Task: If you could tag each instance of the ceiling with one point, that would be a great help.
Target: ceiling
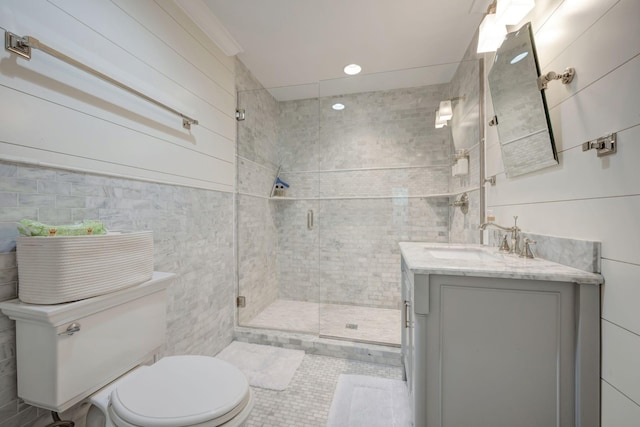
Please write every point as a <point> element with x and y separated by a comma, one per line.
<point>298,48</point>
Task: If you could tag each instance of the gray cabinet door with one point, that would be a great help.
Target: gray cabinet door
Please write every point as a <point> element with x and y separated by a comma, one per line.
<point>499,353</point>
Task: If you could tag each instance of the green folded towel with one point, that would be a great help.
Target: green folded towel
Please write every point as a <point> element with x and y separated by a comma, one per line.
<point>34,228</point>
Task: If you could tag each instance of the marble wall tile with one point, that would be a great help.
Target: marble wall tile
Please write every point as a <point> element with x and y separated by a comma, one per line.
<point>358,243</point>
<point>22,185</point>
<point>254,178</point>
<point>299,143</point>
<point>418,181</point>
<point>351,256</point>
<point>257,137</point>
<point>385,182</point>
<point>298,251</point>
<point>257,254</point>
<point>8,200</point>
<point>387,128</point>
<point>580,254</point>
<point>8,170</point>
<point>464,228</point>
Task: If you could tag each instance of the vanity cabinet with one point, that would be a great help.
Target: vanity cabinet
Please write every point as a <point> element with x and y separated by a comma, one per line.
<point>500,351</point>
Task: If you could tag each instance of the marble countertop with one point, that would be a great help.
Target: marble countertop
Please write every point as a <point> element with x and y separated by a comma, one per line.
<point>484,261</point>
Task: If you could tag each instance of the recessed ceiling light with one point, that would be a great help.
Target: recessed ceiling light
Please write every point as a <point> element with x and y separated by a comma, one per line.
<point>352,69</point>
<point>337,106</point>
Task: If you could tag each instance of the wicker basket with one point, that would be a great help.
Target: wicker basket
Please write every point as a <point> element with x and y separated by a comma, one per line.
<point>53,270</point>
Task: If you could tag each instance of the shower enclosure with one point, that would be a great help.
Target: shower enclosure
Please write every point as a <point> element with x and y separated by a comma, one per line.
<point>320,255</point>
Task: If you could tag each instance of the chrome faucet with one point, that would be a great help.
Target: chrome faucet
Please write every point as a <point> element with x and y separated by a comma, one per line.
<point>515,233</point>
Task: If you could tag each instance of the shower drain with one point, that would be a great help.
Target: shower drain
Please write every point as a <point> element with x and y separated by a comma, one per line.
<point>351,326</point>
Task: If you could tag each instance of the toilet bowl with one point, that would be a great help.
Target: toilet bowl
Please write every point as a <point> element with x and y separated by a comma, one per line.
<point>177,391</point>
<point>94,351</point>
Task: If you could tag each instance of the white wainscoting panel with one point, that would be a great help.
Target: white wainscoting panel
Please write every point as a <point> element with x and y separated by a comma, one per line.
<point>617,409</point>
<point>620,352</point>
<point>61,116</point>
<point>621,294</point>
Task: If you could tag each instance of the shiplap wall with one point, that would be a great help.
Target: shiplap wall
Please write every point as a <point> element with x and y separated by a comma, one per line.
<point>55,114</point>
<point>587,197</point>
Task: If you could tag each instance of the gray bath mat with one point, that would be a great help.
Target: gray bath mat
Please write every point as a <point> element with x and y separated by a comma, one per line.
<point>265,366</point>
<point>362,401</point>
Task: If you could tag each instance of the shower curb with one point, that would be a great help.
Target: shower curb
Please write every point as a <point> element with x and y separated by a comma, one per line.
<point>313,344</point>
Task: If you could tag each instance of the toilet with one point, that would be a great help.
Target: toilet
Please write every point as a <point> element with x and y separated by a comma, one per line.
<point>94,351</point>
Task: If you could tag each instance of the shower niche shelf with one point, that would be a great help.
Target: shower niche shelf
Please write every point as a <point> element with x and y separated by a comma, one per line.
<point>419,196</point>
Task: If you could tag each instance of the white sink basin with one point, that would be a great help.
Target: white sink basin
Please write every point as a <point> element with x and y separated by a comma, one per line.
<point>470,254</point>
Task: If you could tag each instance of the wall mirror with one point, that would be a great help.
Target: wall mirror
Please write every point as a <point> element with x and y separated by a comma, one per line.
<point>522,117</point>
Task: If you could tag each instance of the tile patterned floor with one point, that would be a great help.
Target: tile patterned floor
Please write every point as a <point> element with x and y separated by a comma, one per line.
<point>307,400</point>
<point>373,324</point>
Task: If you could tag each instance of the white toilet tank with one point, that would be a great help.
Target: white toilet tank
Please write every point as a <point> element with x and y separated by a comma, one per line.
<point>58,367</point>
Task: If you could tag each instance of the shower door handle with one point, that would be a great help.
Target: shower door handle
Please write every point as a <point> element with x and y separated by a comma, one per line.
<point>310,219</point>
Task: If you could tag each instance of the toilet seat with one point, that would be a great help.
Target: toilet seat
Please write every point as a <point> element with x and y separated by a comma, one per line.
<point>180,391</point>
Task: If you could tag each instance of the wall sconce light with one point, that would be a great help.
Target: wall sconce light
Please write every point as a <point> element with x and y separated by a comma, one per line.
<point>444,113</point>
<point>500,13</point>
<point>445,110</point>
<point>491,33</point>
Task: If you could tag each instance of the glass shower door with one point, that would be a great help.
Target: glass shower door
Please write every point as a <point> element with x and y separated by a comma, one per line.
<point>256,231</point>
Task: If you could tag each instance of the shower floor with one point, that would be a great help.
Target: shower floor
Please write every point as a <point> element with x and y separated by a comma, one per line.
<point>377,325</point>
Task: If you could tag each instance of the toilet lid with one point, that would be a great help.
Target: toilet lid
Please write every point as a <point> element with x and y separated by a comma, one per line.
<point>181,391</point>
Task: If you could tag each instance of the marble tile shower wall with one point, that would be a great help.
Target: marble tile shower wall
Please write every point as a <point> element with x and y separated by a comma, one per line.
<point>258,133</point>
<point>358,242</point>
<point>257,273</point>
<point>193,238</point>
<point>298,251</point>
<point>299,133</point>
<point>386,128</point>
<point>257,235</point>
<point>382,145</point>
<point>255,179</point>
